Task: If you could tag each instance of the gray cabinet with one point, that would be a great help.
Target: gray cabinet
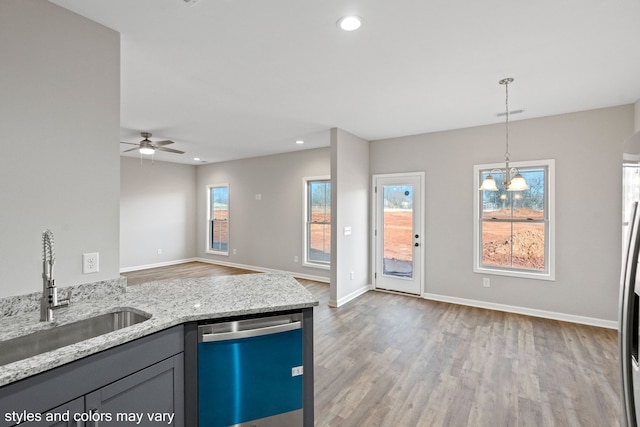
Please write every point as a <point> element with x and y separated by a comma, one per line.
<point>151,397</point>
<point>61,416</point>
<point>142,376</point>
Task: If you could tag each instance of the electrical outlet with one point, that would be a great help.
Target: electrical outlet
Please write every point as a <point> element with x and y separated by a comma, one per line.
<point>351,276</point>
<point>295,258</point>
<point>486,282</point>
<point>90,263</point>
<point>159,251</point>
<point>235,251</point>
<point>297,370</point>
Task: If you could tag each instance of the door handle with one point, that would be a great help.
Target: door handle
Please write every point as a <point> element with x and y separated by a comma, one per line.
<point>223,336</point>
<point>416,244</point>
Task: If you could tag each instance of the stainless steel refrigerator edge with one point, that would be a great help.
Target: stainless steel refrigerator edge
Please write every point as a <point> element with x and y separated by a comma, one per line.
<point>628,311</point>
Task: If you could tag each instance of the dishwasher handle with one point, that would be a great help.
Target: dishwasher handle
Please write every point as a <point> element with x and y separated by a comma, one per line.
<point>249,333</point>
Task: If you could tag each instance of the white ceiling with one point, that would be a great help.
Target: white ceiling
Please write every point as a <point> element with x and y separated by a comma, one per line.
<point>229,79</point>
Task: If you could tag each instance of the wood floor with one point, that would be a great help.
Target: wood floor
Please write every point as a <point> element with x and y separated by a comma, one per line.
<point>392,360</point>
<point>186,270</point>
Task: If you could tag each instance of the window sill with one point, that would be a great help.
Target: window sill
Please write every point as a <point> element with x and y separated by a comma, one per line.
<point>519,274</point>
<point>209,251</point>
<point>319,266</point>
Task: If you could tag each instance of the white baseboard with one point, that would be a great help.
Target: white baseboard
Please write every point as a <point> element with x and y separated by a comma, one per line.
<point>160,264</point>
<point>353,295</point>
<point>591,321</point>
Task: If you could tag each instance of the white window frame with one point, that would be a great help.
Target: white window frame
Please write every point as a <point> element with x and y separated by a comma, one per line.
<point>209,249</point>
<point>550,222</point>
<point>305,225</point>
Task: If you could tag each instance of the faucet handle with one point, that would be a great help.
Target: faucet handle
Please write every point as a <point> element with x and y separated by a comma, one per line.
<point>66,300</point>
<point>57,302</point>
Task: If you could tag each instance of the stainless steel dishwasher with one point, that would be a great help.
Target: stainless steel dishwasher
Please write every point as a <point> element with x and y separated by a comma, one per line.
<point>250,372</point>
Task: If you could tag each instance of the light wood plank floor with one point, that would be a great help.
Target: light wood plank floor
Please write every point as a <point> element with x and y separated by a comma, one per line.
<point>186,270</point>
<point>392,360</point>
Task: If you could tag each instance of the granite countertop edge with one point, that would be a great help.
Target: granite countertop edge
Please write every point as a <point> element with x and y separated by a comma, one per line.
<point>169,303</point>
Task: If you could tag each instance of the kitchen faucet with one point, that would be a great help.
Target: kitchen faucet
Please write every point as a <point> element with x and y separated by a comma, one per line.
<point>49,300</point>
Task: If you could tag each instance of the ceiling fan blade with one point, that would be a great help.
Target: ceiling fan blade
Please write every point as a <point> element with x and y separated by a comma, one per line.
<point>160,143</point>
<point>131,149</point>
<point>130,143</point>
<point>169,150</point>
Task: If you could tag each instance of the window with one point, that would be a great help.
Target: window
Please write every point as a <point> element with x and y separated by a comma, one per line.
<point>317,221</point>
<point>218,221</point>
<point>514,230</point>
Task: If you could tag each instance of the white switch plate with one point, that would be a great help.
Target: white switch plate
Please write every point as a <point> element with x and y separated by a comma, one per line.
<point>347,231</point>
<point>90,263</point>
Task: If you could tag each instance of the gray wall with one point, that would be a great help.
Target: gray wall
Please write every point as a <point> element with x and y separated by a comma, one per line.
<point>157,211</point>
<point>265,233</point>
<point>587,147</point>
<point>59,167</point>
<point>350,201</point>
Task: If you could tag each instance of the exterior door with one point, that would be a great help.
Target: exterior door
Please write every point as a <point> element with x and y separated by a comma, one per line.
<point>398,224</point>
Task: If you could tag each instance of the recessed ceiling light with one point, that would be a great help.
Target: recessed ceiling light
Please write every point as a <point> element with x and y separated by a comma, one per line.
<point>197,159</point>
<point>349,23</point>
<point>299,142</point>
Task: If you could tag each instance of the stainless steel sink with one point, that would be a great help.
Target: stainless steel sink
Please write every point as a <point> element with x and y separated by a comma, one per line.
<point>59,336</point>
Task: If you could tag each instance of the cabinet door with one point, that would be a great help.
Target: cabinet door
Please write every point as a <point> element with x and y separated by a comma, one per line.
<point>151,397</point>
<point>62,416</point>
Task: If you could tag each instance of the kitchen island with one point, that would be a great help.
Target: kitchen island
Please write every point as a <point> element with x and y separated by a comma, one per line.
<point>174,307</point>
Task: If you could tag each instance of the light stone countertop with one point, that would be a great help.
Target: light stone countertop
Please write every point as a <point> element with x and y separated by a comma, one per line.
<point>169,303</point>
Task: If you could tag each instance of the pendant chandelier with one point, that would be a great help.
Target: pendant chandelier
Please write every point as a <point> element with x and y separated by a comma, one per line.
<point>513,181</point>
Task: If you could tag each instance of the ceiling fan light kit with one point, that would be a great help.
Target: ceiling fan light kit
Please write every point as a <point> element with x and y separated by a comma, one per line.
<point>148,147</point>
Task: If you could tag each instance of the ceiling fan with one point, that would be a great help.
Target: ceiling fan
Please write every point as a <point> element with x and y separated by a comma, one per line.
<point>148,147</point>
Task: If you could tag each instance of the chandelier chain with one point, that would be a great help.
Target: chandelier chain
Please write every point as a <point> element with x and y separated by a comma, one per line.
<point>506,103</point>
